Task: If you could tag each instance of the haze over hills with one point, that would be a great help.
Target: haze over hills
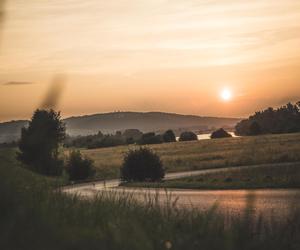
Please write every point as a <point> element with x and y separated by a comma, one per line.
<point>119,121</point>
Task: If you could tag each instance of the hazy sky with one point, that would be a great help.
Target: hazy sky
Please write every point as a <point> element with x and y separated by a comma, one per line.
<point>150,55</point>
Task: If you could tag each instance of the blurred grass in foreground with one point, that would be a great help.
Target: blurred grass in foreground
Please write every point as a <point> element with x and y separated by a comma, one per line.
<point>34,216</point>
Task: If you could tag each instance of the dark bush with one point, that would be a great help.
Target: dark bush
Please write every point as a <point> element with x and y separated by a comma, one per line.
<point>142,165</point>
<point>220,133</point>
<point>169,136</point>
<point>188,136</point>
<point>150,138</point>
<point>79,168</point>
<point>132,135</point>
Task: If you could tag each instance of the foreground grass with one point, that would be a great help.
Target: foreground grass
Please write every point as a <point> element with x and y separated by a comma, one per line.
<point>182,156</point>
<point>34,214</point>
<point>277,176</point>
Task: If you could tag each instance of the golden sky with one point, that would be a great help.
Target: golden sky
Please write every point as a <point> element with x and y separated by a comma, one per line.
<point>150,55</point>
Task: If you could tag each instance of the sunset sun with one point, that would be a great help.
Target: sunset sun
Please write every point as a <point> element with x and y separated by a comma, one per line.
<point>226,95</point>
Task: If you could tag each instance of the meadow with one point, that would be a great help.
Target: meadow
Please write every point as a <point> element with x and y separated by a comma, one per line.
<point>34,214</point>
<point>204,154</point>
<point>263,176</point>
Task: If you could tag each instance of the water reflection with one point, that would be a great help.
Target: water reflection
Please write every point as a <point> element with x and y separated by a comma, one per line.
<point>207,136</point>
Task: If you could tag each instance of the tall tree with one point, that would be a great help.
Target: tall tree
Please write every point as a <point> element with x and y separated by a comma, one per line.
<point>40,142</point>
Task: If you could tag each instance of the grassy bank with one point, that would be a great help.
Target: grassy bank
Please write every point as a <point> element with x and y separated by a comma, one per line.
<point>282,176</point>
<point>34,216</point>
<point>181,156</point>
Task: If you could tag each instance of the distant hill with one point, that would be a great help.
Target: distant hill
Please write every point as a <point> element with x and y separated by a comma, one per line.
<point>112,122</point>
<point>10,131</point>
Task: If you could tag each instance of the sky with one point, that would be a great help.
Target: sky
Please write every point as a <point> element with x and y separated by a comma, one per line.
<point>174,56</point>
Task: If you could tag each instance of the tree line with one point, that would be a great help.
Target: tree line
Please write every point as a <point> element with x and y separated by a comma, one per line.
<point>129,136</point>
<point>285,119</point>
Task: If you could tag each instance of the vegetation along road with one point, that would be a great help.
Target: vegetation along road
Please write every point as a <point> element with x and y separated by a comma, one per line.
<point>269,202</point>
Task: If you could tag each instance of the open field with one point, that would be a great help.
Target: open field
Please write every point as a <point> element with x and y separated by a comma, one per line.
<point>33,216</point>
<point>274,176</point>
<point>182,156</point>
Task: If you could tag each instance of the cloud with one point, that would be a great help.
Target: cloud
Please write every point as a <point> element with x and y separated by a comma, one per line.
<point>13,83</point>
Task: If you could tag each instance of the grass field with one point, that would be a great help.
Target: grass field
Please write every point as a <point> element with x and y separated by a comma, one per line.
<point>281,176</point>
<point>181,156</point>
<point>34,214</point>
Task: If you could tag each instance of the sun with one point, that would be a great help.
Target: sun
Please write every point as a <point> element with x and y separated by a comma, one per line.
<point>226,95</point>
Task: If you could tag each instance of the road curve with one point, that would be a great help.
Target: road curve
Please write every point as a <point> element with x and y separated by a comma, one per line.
<point>275,203</point>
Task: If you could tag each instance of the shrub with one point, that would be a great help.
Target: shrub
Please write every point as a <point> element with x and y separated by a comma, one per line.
<point>150,138</point>
<point>142,165</point>
<point>188,136</point>
<point>132,135</point>
<point>79,168</point>
<point>220,133</point>
<point>169,136</point>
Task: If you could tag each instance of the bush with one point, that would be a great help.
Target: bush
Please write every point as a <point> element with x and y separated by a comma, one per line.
<point>79,168</point>
<point>150,138</point>
<point>169,136</point>
<point>142,165</point>
<point>220,133</point>
<point>188,136</point>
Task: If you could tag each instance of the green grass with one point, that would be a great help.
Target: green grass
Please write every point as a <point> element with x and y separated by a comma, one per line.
<point>282,176</point>
<point>34,214</point>
<point>181,156</point>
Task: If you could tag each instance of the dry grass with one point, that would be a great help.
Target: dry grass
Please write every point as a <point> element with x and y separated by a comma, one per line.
<point>181,156</point>
<point>285,175</point>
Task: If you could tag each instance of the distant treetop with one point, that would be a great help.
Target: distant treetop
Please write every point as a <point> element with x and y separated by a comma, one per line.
<point>285,119</point>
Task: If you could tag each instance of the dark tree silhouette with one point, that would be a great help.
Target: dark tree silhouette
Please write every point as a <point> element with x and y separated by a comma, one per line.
<point>254,128</point>
<point>40,141</point>
<point>285,119</point>
<point>142,165</point>
<point>150,138</point>
<point>169,136</point>
<point>79,168</point>
<point>188,136</point>
<point>220,133</point>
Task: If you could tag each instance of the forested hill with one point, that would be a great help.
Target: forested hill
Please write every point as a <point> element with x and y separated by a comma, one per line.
<point>112,122</point>
<point>151,121</point>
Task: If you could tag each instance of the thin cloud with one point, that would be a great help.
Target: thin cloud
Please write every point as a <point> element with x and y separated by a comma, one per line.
<point>13,83</point>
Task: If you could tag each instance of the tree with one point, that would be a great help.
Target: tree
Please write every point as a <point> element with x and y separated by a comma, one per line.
<point>79,168</point>
<point>169,136</point>
<point>132,135</point>
<point>188,136</point>
<point>150,138</point>
<point>285,119</point>
<point>220,133</point>
<point>142,165</point>
<point>40,142</point>
<point>254,128</point>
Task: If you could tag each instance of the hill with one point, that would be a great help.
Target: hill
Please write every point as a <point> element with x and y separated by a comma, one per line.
<point>10,131</point>
<point>112,122</point>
